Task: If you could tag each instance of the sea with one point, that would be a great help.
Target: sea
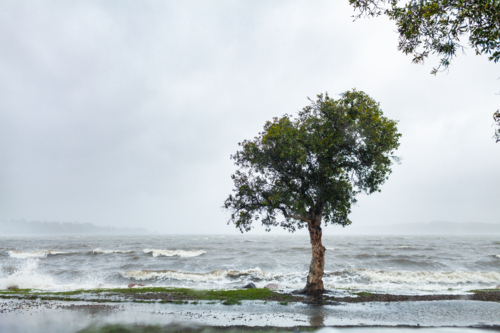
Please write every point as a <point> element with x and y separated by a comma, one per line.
<point>390,264</point>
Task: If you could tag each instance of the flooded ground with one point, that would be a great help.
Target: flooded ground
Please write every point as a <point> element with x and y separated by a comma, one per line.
<point>55,316</point>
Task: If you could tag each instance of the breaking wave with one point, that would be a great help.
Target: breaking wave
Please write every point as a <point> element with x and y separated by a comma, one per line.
<point>496,256</point>
<point>27,277</point>
<point>33,254</point>
<point>170,253</point>
<point>255,273</point>
<point>99,251</point>
<point>363,279</point>
<point>414,278</point>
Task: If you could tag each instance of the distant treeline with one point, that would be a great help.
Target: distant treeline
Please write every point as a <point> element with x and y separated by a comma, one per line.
<point>23,227</point>
<point>431,228</point>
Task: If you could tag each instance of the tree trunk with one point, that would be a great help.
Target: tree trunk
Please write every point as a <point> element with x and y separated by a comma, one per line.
<point>314,284</point>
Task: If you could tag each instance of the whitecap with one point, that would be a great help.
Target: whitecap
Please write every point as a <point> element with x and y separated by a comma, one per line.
<point>27,277</point>
<point>172,253</point>
<point>215,275</point>
<point>424,278</point>
<point>99,251</point>
<point>496,256</point>
<point>33,254</point>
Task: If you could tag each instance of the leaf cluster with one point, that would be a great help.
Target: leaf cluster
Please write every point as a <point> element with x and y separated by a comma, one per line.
<point>437,26</point>
<point>314,164</point>
<point>496,118</point>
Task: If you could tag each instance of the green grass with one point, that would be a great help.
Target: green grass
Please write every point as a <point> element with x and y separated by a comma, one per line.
<point>364,294</point>
<point>478,291</point>
<point>15,291</point>
<point>228,297</point>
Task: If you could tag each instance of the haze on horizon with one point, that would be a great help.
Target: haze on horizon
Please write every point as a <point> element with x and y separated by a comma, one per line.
<point>125,113</point>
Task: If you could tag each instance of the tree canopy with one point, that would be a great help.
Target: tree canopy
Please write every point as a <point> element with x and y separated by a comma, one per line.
<point>309,168</point>
<point>438,26</point>
<point>317,161</point>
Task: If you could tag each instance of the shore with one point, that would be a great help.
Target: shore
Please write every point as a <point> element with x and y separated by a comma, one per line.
<point>232,297</point>
<point>163,309</point>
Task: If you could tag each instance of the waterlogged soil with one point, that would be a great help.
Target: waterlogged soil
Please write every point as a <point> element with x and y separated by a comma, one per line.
<point>486,296</point>
<point>232,297</point>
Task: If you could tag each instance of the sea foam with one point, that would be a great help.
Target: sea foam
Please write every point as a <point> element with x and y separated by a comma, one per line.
<point>416,278</point>
<point>215,275</point>
<point>99,251</point>
<point>172,253</point>
<point>27,277</point>
<point>33,254</point>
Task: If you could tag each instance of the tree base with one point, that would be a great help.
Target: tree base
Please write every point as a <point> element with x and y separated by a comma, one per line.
<point>310,292</point>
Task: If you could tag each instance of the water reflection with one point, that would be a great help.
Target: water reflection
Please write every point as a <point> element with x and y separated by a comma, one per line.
<point>317,316</point>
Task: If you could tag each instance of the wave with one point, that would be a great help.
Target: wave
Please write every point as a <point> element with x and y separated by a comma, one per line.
<point>33,254</point>
<point>496,256</point>
<point>99,251</point>
<point>416,278</point>
<point>170,253</point>
<point>405,247</point>
<point>27,277</point>
<point>215,275</point>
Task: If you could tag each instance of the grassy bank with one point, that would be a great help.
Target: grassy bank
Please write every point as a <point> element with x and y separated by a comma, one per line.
<point>230,297</point>
<point>173,295</point>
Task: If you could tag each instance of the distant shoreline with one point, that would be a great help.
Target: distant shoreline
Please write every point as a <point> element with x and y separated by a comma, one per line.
<point>35,228</point>
<point>437,228</point>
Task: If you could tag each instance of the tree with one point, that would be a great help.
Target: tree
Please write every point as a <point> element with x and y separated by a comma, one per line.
<point>437,26</point>
<point>305,171</point>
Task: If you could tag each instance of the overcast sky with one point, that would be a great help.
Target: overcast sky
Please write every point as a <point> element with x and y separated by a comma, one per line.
<point>125,113</point>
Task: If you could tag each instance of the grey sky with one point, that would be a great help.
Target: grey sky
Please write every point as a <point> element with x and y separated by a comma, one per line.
<point>124,113</point>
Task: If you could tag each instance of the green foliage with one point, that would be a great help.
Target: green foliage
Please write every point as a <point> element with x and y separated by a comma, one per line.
<point>437,26</point>
<point>496,118</point>
<point>313,164</point>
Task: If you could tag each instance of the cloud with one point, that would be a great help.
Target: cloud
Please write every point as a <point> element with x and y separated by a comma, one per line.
<point>126,114</point>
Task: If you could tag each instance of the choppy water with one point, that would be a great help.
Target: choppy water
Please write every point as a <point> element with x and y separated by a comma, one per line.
<point>381,264</point>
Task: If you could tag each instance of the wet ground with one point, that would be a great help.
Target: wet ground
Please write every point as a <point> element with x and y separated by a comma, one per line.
<point>72,316</point>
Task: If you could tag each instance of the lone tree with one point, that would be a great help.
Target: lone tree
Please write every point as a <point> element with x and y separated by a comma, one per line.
<point>309,169</point>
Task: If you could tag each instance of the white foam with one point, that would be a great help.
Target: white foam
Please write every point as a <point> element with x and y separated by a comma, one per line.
<point>99,251</point>
<point>33,254</point>
<point>27,277</point>
<point>172,253</point>
<point>216,275</point>
<point>431,277</point>
<point>333,248</point>
<point>496,256</point>
<point>405,247</point>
